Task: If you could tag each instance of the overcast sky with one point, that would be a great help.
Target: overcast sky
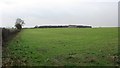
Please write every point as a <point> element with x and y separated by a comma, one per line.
<point>59,12</point>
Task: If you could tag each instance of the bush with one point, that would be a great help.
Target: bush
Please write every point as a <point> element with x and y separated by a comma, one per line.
<point>7,34</point>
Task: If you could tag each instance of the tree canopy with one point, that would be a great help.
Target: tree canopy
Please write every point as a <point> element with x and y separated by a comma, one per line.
<point>19,23</point>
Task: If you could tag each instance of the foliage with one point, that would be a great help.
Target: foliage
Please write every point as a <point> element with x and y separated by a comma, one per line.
<point>19,23</point>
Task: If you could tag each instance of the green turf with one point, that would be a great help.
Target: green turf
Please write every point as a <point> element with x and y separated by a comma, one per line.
<point>63,47</point>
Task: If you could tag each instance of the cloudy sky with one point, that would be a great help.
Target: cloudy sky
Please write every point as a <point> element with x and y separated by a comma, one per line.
<point>99,13</point>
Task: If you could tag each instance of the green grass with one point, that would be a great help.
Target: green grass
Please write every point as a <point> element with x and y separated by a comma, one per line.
<point>63,47</point>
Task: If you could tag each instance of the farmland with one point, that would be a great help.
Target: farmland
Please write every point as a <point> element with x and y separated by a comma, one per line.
<point>63,47</point>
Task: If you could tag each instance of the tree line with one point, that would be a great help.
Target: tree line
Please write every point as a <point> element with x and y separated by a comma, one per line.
<point>66,26</point>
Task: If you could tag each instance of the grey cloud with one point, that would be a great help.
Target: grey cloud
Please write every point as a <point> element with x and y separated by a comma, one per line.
<point>95,14</point>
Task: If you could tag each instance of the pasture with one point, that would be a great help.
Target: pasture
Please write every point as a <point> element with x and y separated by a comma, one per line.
<point>63,47</point>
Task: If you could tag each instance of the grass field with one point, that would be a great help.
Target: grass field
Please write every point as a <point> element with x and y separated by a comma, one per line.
<point>63,47</point>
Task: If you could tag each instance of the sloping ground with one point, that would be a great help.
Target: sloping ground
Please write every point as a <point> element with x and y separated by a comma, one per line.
<point>63,47</point>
